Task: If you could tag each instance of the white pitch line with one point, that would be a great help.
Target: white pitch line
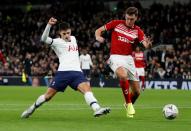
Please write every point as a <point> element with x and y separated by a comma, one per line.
<point>78,105</point>
<point>69,109</point>
<point>61,107</point>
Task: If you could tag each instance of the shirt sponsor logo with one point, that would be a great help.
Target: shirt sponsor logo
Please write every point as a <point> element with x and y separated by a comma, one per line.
<point>72,48</point>
<point>123,39</point>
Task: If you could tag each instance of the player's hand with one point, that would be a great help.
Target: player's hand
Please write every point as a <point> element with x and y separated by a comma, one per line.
<point>52,21</point>
<point>148,42</point>
<point>100,39</point>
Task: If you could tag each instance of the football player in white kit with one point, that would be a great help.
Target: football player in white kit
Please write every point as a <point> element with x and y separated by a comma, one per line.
<point>86,63</point>
<point>69,72</point>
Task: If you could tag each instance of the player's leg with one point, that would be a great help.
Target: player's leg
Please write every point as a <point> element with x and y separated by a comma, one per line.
<point>85,72</point>
<point>91,100</point>
<point>142,79</point>
<point>141,74</point>
<point>88,74</point>
<point>121,73</point>
<point>59,83</point>
<point>80,83</point>
<point>133,81</point>
<point>135,86</point>
<point>40,100</point>
<point>117,64</point>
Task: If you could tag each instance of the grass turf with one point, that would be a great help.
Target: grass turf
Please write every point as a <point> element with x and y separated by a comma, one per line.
<point>69,112</point>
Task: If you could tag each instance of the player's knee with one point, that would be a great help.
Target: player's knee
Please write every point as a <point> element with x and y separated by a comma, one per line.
<point>122,77</point>
<point>121,73</point>
<point>84,87</point>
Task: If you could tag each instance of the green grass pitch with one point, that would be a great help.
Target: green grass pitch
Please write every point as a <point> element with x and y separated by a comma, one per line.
<point>69,112</point>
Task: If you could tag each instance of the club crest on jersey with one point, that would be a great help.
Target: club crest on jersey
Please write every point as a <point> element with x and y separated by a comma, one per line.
<point>72,48</point>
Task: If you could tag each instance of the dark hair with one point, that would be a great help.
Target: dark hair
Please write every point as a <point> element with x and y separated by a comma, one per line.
<point>64,26</point>
<point>132,11</point>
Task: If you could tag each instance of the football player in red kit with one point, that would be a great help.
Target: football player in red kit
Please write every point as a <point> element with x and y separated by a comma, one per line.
<point>124,35</point>
<point>140,65</point>
<point>2,58</point>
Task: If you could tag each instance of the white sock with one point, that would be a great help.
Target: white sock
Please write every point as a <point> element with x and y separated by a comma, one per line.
<point>91,100</point>
<point>41,99</point>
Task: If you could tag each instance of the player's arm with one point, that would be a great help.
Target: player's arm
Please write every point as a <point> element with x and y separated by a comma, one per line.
<point>98,34</point>
<point>144,41</point>
<point>108,26</point>
<point>44,37</point>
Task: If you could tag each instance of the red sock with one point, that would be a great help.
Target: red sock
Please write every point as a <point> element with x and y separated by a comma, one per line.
<point>142,78</point>
<point>125,88</point>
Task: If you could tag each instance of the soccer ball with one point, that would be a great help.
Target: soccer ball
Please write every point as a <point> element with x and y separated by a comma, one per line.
<point>170,111</point>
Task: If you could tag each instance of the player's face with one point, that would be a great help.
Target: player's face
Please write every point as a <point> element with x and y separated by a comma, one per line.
<point>65,34</point>
<point>85,52</point>
<point>137,49</point>
<point>130,20</point>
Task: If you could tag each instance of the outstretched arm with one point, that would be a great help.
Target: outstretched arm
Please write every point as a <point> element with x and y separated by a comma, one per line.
<point>45,34</point>
<point>98,33</point>
<point>147,42</point>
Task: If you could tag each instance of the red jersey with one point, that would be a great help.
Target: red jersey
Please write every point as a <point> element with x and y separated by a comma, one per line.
<point>123,37</point>
<point>139,59</point>
<point>2,58</point>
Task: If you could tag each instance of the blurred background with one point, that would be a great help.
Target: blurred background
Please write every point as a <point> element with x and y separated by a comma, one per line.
<point>24,60</point>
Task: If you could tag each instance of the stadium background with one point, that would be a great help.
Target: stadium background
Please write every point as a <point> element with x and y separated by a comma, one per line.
<point>168,65</point>
<point>22,23</point>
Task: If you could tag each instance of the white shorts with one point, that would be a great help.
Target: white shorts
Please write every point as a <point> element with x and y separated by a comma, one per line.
<point>126,61</point>
<point>140,71</point>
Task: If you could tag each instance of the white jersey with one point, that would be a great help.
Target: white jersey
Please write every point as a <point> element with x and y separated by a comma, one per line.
<point>67,52</point>
<point>85,61</point>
